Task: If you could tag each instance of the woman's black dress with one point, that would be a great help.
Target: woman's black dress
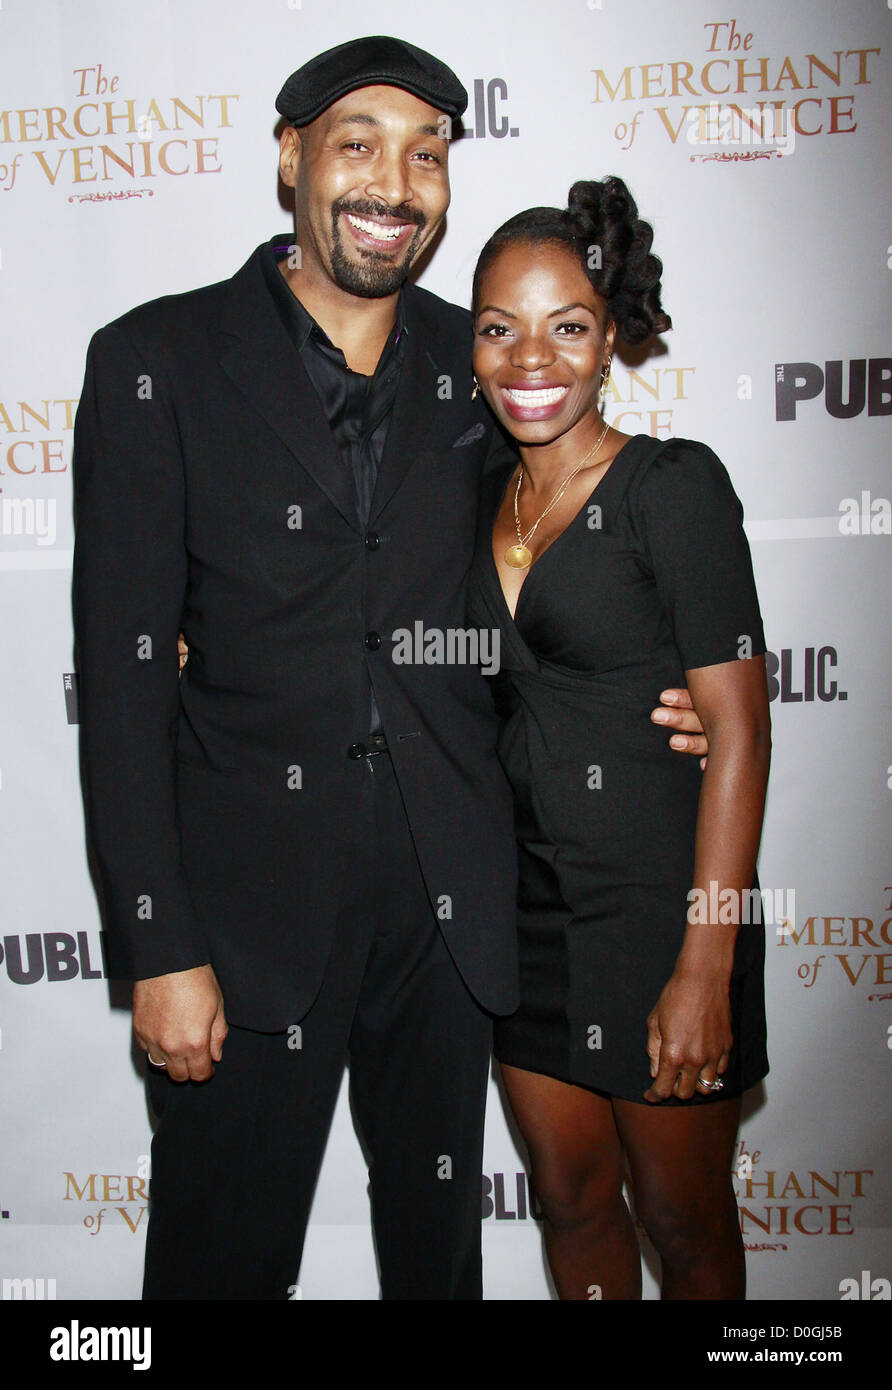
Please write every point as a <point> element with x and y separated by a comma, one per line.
<point>652,577</point>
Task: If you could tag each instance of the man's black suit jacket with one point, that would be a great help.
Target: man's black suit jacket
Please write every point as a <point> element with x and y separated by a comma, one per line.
<point>210,497</point>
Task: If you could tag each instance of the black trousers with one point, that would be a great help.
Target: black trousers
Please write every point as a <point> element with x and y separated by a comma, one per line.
<point>235,1159</point>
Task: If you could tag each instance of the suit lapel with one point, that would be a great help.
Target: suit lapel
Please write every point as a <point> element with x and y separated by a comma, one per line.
<point>260,359</point>
<point>414,409</point>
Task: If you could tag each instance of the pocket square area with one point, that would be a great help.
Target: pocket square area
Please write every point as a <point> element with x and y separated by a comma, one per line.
<point>469,436</point>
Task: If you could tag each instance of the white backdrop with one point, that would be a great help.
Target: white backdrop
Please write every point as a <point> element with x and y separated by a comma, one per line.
<point>776,254</point>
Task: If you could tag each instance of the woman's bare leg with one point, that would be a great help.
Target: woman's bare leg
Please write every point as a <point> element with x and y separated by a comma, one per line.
<point>681,1158</point>
<point>577,1174</point>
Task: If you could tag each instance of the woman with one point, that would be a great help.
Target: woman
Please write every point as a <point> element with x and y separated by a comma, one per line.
<point>612,567</point>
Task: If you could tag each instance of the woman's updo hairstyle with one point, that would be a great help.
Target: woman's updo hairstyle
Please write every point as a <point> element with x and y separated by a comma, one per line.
<point>601,225</point>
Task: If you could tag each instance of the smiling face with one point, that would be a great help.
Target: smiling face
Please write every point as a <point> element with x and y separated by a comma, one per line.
<point>541,338</point>
<point>371,187</point>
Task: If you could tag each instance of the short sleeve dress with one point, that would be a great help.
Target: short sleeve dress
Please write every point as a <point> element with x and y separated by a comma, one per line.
<point>652,577</point>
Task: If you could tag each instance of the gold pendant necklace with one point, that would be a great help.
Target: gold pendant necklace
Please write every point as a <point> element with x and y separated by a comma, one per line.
<point>519,556</point>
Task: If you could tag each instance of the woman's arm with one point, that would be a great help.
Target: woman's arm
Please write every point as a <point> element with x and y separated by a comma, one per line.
<point>690,1026</point>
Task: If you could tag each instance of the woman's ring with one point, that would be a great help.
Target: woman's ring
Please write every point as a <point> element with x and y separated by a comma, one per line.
<point>717,1085</point>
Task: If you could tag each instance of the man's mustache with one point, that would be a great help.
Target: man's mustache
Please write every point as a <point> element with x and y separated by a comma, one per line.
<point>363,207</point>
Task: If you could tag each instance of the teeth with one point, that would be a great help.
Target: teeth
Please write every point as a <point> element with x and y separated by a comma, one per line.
<point>548,396</point>
<point>375,229</point>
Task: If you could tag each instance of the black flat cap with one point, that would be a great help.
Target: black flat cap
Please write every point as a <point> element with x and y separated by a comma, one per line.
<point>366,63</point>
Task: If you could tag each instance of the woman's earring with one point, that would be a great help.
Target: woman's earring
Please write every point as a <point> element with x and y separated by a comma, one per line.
<point>605,377</point>
<point>475,390</point>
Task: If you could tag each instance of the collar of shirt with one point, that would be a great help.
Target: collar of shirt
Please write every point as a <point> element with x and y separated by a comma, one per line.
<point>302,328</point>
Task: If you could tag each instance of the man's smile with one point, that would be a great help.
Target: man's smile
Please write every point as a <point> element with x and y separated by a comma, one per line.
<point>379,231</point>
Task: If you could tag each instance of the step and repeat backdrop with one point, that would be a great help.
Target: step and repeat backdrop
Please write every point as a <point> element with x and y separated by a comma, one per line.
<point>138,157</point>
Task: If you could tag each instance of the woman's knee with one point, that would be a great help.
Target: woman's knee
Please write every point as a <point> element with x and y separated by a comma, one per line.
<point>577,1189</point>
<point>685,1227</point>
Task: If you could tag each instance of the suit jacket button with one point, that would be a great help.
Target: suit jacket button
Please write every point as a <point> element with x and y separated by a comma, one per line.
<point>372,540</point>
<point>373,641</point>
<point>356,750</point>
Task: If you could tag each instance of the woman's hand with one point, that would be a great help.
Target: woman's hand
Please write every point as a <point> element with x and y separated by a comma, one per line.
<point>689,1035</point>
<point>183,650</point>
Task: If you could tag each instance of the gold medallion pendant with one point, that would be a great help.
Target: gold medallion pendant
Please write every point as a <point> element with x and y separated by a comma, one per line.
<point>519,556</point>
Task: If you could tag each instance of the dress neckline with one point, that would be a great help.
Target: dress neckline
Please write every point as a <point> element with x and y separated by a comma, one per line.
<point>571,524</point>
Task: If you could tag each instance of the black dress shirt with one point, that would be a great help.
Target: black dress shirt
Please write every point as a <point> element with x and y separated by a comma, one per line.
<point>358,408</point>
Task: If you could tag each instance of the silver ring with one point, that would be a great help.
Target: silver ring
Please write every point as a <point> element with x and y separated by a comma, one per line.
<point>717,1085</point>
<point>153,1062</point>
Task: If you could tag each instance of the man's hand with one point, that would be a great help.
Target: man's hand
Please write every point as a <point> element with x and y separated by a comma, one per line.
<point>178,1019</point>
<point>682,716</point>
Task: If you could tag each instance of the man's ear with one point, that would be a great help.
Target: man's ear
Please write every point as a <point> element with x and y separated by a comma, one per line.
<point>290,152</point>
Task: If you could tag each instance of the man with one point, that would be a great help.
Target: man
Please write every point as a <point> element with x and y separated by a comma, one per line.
<point>305,845</point>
